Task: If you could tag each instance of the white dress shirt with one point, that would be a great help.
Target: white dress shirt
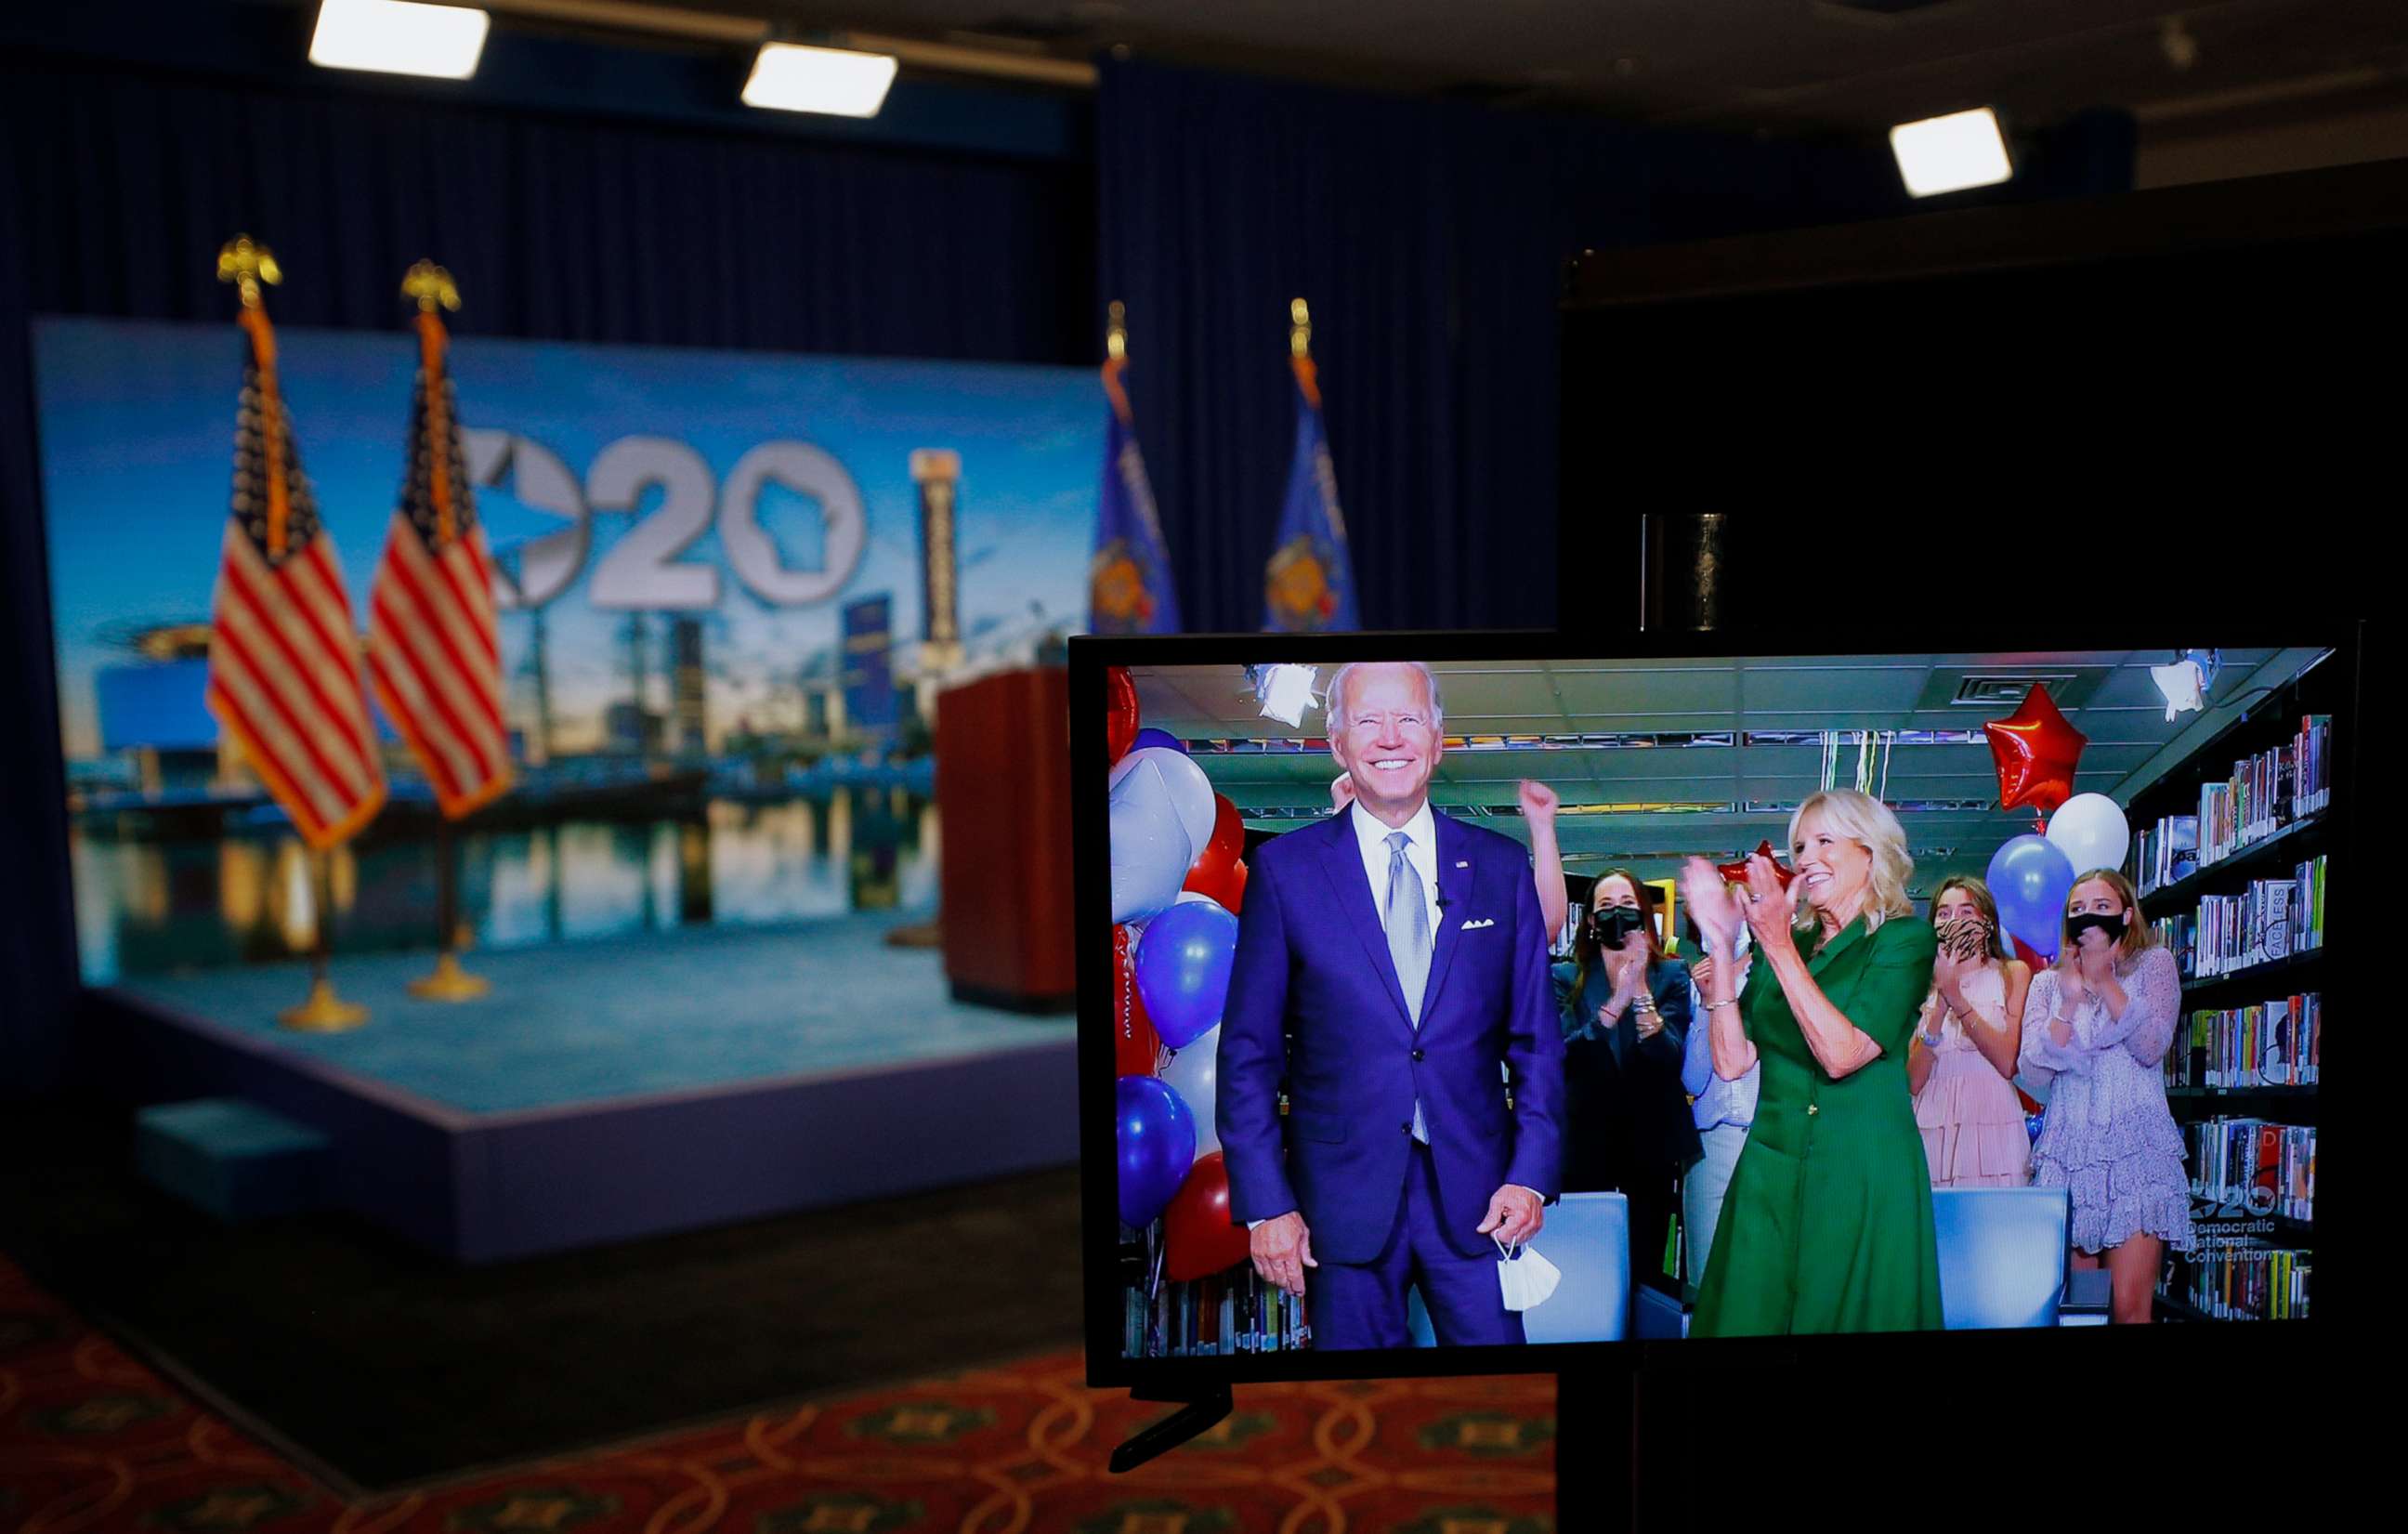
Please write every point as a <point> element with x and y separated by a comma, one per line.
<point>1371,837</point>
<point>1421,850</point>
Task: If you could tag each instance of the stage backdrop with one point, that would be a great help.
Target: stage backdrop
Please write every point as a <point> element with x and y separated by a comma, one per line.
<point>734,583</point>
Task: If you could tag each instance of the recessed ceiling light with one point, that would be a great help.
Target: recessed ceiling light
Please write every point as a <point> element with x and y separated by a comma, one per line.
<point>836,81</point>
<point>399,38</point>
<point>1950,153</point>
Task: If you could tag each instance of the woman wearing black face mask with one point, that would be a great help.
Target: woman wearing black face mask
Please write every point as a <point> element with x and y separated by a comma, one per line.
<point>1626,1120</point>
<point>2096,1024</point>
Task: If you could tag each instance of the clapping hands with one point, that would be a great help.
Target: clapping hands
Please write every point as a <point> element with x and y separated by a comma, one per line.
<point>1710,904</point>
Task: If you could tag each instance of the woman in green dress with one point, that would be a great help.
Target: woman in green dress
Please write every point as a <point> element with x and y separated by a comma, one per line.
<point>1826,1226</point>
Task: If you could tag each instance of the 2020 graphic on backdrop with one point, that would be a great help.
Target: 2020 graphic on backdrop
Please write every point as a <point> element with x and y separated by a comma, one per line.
<point>723,563</point>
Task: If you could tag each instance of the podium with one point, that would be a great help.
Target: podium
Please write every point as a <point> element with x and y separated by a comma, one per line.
<point>1003,792</point>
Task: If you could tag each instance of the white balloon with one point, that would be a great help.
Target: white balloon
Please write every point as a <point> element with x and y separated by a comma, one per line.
<point>2091,830</point>
<point>1190,791</point>
<point>1195,1074</point>
<point>1151,852</point>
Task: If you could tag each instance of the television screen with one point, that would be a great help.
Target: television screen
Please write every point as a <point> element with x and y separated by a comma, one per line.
<point>1451,1000</point>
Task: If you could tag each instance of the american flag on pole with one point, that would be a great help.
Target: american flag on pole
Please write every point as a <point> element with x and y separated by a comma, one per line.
<point>284,673</point>
<point>433,647</point>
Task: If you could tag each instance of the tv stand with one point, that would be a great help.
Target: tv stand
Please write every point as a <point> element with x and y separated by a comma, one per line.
<point>1197,1415</point>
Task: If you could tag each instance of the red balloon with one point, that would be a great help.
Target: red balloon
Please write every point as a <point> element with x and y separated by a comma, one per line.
<point>2029,954</point>
<point>1198,1235</point>
<point>2035,748</point>
<point>2029,1106</point>
<point>1120,710</point>
<point>1226,888</point>
<point>1736,873</point>
<point>1226,845</point>
<point>1135,1047</point>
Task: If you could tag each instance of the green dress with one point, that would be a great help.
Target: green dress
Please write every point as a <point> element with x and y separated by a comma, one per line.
<point>1826,1226</point>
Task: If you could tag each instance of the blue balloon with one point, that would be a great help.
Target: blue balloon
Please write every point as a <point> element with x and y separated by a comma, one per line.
<point>1182,969</point>
<point>1152,737</point>
<point>2030,877</point>
<point>1157,1146</point>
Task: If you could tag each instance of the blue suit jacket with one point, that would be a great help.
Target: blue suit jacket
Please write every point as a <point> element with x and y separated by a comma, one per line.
<point>1313,998</point>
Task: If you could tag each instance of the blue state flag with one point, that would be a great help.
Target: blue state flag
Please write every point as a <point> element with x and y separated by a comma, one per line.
<point>1309,586</point>
<point>1129,583</point>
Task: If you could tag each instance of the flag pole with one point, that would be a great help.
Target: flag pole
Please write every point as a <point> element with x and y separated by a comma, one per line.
<point>1299,345</point>
<point>247,263</point>
<point>323,1013</point>
<point>450,982</point>
<point>430,285</point>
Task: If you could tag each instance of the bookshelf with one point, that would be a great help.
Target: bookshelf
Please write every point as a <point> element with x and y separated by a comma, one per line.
<point>2301,838</point>
<point>2244,1249</point>
<point>2276,975</point>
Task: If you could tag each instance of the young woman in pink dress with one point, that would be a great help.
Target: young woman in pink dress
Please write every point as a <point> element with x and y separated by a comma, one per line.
<point>1961,1063</point>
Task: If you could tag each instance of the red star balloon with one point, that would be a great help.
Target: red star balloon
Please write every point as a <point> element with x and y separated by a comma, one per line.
<point>1120,710</point>
<point>2036,748</point>
<point>1736,873</point>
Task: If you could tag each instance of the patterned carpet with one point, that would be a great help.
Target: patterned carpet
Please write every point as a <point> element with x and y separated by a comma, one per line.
<point>91,1441</point>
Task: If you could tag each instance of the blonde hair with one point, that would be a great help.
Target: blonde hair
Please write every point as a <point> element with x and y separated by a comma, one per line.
<point>1868,822</point>
<point>2139,936</point>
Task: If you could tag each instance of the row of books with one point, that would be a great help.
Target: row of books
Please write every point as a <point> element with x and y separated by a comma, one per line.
<point>2274,1043</point>
<point>2273,919</point>
<point>2255,1166</point>
<point>2266,792</point>
<point>1231,1312</point>
<point>2251,1282</point>
<point>2164,853</point>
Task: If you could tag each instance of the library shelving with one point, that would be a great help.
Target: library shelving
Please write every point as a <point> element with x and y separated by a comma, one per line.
<point>2249,774</point>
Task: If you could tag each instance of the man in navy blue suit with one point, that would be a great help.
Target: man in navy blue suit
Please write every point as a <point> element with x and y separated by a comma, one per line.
<point>1389,960</point>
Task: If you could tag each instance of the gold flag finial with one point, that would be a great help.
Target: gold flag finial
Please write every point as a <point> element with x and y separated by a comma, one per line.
<point>430,285</point>
<point>1299,336</point>
<point>1116,331</point>
<point>245,263</point>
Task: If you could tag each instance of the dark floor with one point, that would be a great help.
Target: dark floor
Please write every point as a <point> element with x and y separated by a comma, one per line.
<point>386,1366</point>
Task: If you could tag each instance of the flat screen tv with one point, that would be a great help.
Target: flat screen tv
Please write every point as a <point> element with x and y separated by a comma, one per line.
<point>1393,945</point>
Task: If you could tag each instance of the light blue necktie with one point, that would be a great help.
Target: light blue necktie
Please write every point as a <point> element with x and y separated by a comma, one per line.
<point>1409,942</point>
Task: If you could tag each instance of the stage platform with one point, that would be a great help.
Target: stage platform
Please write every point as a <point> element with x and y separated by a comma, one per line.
<point>621,1088</point>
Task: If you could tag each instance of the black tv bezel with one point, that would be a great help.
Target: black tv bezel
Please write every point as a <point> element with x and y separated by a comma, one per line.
<point>2244,1344</point>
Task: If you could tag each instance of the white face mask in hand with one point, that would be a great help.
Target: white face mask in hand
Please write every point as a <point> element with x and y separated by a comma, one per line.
<point>1527,1278</point>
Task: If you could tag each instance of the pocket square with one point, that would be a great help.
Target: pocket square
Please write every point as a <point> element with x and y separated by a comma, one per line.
<point>1484,921</point>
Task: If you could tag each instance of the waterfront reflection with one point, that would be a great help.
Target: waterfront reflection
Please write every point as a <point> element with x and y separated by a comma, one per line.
<point>158,906</point>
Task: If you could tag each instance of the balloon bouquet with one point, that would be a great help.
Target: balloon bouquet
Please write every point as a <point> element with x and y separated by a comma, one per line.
<point>2035,749</point>
<point>1178,880</point>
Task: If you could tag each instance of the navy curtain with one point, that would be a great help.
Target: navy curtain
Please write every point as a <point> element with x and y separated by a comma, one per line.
<point>118,187</point>
<point>1431,241</point>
